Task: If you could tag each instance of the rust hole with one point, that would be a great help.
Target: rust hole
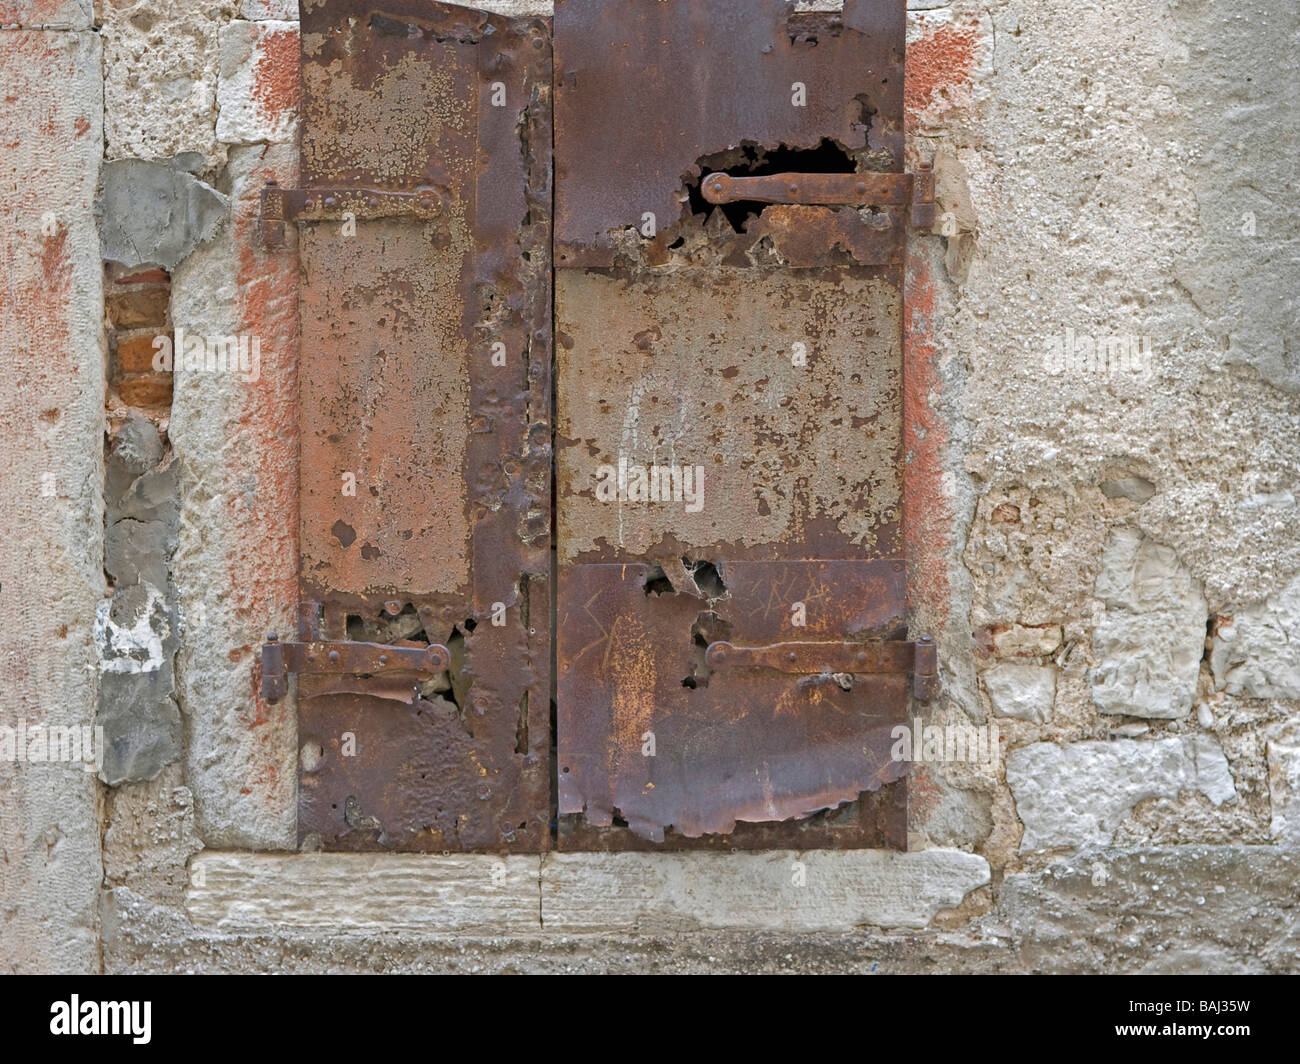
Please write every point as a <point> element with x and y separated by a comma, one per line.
<point>753,160</point>
<point>707,578</point>
<point>521,728</point>
<point>708,628</point>
<point>805,27</point>
<point>657,582</point>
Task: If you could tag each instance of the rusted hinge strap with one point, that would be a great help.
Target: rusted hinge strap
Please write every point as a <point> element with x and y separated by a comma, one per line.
<point>863,190</point>
<point>345,658</point>
<point>280,205</point>
<point>920,658</point>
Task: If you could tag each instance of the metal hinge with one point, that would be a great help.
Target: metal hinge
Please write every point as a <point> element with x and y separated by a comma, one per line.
<point>920,658</point>
<point>862,190</point>
<point>342,657</point>
<point>280,205</point>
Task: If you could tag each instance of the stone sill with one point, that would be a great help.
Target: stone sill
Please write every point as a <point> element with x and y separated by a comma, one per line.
<point>586,893</point>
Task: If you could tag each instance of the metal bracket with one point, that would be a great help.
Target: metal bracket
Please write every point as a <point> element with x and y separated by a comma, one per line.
<point>920,658</point>
<point>867,189</point>
<point>280,205</point>
<point>345,658</point>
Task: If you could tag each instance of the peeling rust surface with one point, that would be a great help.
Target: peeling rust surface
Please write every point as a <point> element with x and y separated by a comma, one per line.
<point>812,236</point>
<point>403,386</point>
<point>740,744</point>
<point>681,370</point>
<point>385,398</point>
<point>646,91</point>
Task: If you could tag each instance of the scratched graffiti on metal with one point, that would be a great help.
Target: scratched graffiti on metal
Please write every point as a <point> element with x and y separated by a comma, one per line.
<point>743,743</point>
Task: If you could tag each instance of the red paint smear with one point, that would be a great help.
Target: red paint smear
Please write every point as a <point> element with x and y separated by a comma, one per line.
<point>81,126</point>
<point>40,362</point>
<point>263,576</point>
<point>29,12</point>
<point>927,515</point>
<point>943,58</point>
<point>276,76</point>
<point>55,267</point>
<point>922,794</point>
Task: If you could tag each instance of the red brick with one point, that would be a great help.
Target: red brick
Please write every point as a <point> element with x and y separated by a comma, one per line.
<point>135,352</point>
<point>132,307</point>
<point>148,389</point>
<point>144,277</point>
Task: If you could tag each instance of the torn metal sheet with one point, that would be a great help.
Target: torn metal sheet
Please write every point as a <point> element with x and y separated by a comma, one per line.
<point>646,92</point>
<point>650,733</point>
<point>424,391</point>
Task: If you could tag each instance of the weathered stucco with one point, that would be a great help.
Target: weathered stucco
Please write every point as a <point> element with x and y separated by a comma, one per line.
<point>1108,554</point>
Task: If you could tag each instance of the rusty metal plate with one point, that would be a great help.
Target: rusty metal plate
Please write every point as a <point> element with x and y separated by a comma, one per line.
<point>652,736</point>
<point>777,391</point>
<point>649,94</point>
<point>729,421</point>
<point>425,407</point>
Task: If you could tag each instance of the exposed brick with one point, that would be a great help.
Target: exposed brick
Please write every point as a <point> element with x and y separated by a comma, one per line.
<point>146,390</point>
<point>132,307</point>
<point>144,277</point>
<point>135,352</point>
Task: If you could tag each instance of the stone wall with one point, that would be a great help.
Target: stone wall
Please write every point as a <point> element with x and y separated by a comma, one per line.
<point>1102,480</point>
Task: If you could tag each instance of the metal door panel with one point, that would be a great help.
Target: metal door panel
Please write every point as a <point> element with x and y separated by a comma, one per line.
<point>763,346</point>
<point>446,540</point>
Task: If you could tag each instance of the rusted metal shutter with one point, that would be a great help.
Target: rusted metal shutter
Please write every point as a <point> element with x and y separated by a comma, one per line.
<point>731,214</point>
<point>423,656</point>
<point>732,646</point>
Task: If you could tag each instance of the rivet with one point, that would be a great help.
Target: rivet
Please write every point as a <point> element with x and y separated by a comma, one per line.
<point>330,201</point>
<point>792,656</point>
<point>383,659</point>
<point>334,655</point>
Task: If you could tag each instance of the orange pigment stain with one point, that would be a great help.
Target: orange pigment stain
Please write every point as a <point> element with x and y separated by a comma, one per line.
<point>927,514</point>
<point>276,75</point>
<point>262,500</point>
<point>941,59</point>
